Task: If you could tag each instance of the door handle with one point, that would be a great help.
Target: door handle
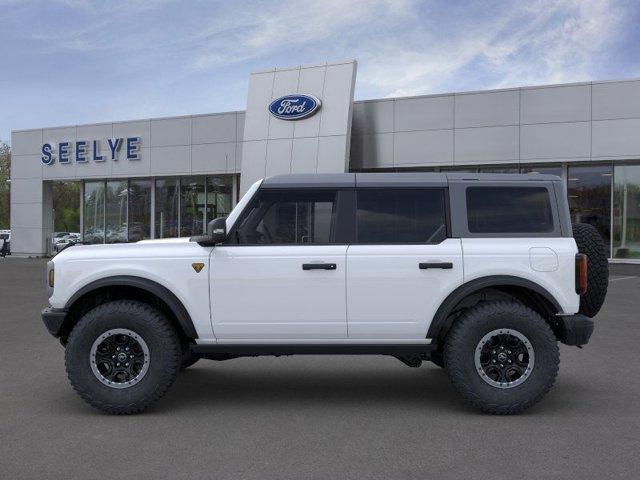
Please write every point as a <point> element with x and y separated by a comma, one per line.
<point>319,266</point>
<point>442,265</point>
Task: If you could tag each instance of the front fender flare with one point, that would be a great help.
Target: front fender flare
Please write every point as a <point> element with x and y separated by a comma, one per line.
<point>160,291</point>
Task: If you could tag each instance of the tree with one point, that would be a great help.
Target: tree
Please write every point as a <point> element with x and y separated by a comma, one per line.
<point>5,169</point>
<point>66,205</point>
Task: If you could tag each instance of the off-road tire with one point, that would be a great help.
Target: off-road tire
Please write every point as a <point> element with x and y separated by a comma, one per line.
<point>590,243</point>
<point>437,359</point>
<point>164,352</point>
<point>464,337</point>
<point>188,358</point>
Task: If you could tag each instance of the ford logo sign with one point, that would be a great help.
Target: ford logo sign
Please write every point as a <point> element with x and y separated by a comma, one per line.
<point>294,107</point>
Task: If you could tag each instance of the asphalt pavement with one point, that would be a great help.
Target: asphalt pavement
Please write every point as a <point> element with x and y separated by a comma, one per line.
<point>317,417</point>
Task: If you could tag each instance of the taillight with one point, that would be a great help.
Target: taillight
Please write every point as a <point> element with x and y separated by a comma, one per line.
<point>581,273</point>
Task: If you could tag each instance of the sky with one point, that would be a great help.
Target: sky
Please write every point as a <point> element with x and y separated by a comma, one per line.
<point>76,61</point>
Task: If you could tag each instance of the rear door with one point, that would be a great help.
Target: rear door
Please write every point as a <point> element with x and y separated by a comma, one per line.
<point>402,265</point>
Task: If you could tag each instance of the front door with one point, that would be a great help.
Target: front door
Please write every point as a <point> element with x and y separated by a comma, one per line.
<point>281,275</point>
<point>402,265</point>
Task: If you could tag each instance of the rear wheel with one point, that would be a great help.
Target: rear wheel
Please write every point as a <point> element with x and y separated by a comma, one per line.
<point>122,356</point>
<point>501,356</point>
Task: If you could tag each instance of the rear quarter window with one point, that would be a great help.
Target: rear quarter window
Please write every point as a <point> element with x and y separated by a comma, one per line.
<point>509,210</point>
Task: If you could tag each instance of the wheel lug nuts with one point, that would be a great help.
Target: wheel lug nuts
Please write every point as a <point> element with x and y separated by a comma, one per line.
<point>130,356</point>
<point>501,366</point>
<point>117,364</point>
<point>493,351</point>
<point>127,349</point>
<point>126,364</point>
<point>508,351</point>
<point>113,356</point>
<point>501,348</point>
<point>494,361</point>
<point>118,349</point>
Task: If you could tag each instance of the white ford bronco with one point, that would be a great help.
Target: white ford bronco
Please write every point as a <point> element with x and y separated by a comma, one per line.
<point>480,274</point>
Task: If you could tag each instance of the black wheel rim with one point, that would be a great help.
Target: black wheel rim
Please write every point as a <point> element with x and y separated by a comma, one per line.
<point>504,358</point>
<point>119,358</point>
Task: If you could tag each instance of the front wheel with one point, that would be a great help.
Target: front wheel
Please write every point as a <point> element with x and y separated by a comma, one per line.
<point>502,357</point>
<point>122,356</point>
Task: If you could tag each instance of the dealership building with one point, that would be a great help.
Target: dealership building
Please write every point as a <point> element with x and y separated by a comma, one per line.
<point>167,177</point>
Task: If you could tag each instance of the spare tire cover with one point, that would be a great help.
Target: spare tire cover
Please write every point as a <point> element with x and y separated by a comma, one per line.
<point>591,244</point>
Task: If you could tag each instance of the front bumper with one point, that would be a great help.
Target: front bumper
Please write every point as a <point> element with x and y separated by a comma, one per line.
<point>53,319</point>
<point>575,329</point>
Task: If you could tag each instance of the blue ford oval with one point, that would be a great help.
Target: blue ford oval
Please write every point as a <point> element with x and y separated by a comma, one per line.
<point>294,107</point>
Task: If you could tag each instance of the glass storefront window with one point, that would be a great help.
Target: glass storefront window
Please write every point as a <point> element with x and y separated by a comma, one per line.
<point>542,169</point>
<point>116,211</point>
<point>166,207</point>
<point>66,206</point>
<point>139,209</point>
<point>93,212</point>
<point>589,189</point>
<point>626,211</point>
<point>192,206</point>
<point>499,169</point>
<point>219,196</point>
<point>459,169</point>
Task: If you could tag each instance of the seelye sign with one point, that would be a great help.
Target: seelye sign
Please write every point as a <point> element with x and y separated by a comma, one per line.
<point>294,107</point>
<point>82,151</point>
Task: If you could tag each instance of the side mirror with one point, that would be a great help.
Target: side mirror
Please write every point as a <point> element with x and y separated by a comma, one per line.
<point>216,233</point>
<point>217,230</point>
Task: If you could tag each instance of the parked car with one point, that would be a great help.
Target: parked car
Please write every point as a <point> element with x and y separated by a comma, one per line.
<point>480,274</point>
<point>62,242</point>
<point>5,243</point>
<point>57,236</point>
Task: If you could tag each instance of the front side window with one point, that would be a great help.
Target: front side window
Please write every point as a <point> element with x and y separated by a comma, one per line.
<point>509,210</point>
<point>397,216</point>
<point>289,218</point>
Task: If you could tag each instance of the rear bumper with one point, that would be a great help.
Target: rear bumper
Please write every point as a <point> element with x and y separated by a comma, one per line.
<point>575,329</point>
<point>53,319</point>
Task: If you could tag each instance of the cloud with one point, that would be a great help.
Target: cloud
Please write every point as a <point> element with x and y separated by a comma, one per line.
<point>547,42</point>
<point>263,29</point>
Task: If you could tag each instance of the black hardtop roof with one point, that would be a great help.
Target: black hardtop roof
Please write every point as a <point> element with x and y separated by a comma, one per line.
<point>387,179</point>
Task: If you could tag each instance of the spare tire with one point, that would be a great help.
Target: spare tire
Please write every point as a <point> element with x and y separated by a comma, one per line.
<point>591,244</point>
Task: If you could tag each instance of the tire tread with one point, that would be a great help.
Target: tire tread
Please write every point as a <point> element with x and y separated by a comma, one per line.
<point>163,329</point>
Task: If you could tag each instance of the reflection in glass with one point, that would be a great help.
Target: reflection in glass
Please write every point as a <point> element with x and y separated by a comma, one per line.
<point>116,211</point>
<point>66,206</point>
<point>589,189</point>
<point>219,196</point>
<point>499,169</point>
<point>542,169</point>
<point>192,206</point>
<point>93,212</point>
<point>167,195</point>
<point>626,211</point>
<point>139,209</point>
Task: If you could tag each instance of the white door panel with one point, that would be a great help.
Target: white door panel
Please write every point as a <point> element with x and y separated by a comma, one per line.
<point>263,292</point>
<point>390,296</point>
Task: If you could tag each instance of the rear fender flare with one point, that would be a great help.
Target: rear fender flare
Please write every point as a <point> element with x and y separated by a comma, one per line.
<point>440,319</point>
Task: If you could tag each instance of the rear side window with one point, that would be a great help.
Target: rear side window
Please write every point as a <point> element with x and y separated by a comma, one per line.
<point>509,210</point>
<point>396,216</point>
